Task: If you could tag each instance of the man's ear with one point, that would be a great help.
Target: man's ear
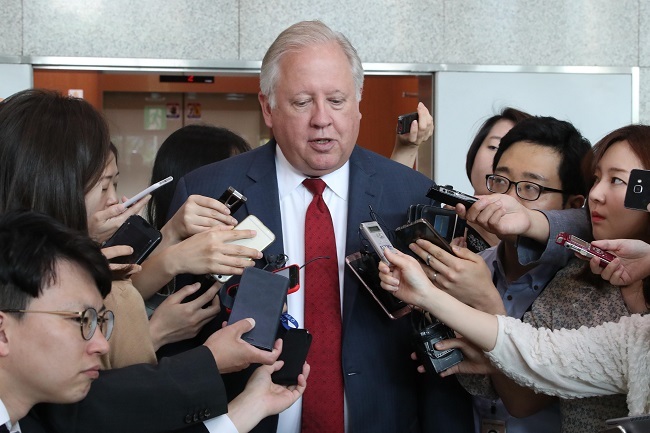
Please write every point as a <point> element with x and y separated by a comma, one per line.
<point>4,340</point>
<point>266,109</point>
<point>575,201</point>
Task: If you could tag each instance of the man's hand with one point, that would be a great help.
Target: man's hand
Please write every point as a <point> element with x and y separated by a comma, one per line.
<point>262,397</point>
<point>234,354</point>
<point>506,217</point>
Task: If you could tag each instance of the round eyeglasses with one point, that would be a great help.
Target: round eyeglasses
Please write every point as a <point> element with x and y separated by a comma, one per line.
<point>88,320</point>
<point>525,190</point>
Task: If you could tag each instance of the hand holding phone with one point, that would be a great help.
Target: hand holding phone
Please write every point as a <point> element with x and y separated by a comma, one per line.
<point>420,229</point>
<point>146,191</point>
<point>584,248</point>
<point>263,238</point>
<point>138,234</point>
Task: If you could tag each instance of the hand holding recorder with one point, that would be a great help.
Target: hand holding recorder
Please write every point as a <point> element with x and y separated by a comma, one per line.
<point>632,262</point>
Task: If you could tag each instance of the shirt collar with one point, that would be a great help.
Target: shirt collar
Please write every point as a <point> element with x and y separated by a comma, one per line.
<point>289,178</point>
<point>4,419</point>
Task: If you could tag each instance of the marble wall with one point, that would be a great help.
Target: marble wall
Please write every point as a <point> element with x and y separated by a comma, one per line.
<point>485,32</point>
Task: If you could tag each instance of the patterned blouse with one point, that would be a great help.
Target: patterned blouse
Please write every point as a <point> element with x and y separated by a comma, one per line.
<point>569,301</point>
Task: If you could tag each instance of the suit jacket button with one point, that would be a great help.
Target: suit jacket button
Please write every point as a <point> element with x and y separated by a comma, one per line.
<point>188,418</point>
<point>206,413</point>
<point>196,417</point>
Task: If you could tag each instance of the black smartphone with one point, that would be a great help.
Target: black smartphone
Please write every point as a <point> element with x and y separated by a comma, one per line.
<point>261,296</point>
<point>447,195</point>
<point>138,234</point>
<point>233,199</point>
<point>420,229</point>
<point>444,221</point>
<point>292,272</point>
<point>637,195</point>
<point>404,122</point>
<point>295,346</point>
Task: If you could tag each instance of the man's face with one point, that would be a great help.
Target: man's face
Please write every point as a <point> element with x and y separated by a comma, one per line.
<point>316,118</point>
<point>524,161</point>
<point>49,359</point>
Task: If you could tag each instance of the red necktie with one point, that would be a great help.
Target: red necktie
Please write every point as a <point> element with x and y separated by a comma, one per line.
<point>322,403</point>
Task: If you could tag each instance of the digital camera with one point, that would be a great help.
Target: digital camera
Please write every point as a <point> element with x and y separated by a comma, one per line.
<point>435,360</point>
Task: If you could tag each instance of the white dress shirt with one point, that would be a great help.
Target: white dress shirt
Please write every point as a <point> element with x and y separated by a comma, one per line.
<point>220,424</point>
<point>294,200</point>
<point>4,419</point>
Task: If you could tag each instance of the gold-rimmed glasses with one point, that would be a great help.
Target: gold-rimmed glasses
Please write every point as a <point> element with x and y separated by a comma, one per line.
<point>88,320</point>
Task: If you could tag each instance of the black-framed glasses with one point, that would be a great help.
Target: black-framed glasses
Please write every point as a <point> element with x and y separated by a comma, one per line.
<point>88,320</point>
<point>525,190</point>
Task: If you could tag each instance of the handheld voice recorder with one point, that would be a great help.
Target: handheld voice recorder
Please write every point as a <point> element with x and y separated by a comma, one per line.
<point>377,238</point>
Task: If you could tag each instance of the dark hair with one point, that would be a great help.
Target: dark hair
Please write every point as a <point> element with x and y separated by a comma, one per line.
<point>560,136</point>
<point>508,113</point>
<point>53,149</point>
<point>31,245</point>
<point>186,149</point>
<point>638,138</point>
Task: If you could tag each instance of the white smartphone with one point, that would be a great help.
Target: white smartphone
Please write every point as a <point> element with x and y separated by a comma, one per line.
<point>147,190</point>
<point>262,239</point>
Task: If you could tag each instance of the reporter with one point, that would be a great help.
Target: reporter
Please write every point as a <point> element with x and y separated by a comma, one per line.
<point>608,359</point>
<point>196,238</point>
<point>53,150</point>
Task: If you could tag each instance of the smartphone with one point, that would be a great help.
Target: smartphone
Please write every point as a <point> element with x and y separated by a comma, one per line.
<point>447,195</point>
<point>637,195</point>
<point>364,266</point>
<point>377,238</point>
<point>262,239</point>
<point>138,234</point>
<point>420,229</point>
<point>146,191</point>
<point>233,199</point>
<point>292,272</point>
<point>261,295</point>
<point>295,347</point>
<point>404,122</point>
<point>584,248</point>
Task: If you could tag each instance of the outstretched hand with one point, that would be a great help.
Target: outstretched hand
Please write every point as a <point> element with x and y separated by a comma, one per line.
<point>631,264</point>
<point>262,397</point>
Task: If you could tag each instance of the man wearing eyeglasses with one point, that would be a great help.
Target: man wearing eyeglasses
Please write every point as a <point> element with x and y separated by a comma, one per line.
<point>53,324</point>
<point>538,163</point>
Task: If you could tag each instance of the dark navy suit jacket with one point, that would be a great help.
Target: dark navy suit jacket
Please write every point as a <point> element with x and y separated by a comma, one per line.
<point>384,392</point>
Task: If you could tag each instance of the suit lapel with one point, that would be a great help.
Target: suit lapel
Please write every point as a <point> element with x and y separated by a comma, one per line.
<point>363,192</point>
<point>262,194</point>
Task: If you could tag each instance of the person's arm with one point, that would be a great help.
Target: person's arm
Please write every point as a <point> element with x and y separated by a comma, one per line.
<point>207,252</point>
<point>582,362</point>
<point>262,397</point>
<point>408,282</point>
<point>407,145</point>
<point>179,391</point>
